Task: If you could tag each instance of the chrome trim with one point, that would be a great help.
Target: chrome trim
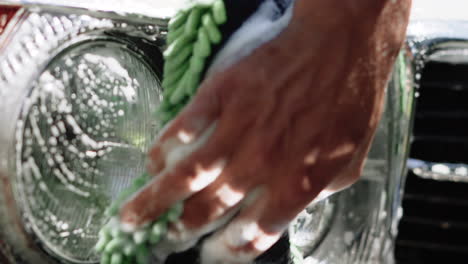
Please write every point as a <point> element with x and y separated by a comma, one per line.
<point>436,40</point>
<point>439,171</point>
<point>150,8</point>
<point>441,41</point>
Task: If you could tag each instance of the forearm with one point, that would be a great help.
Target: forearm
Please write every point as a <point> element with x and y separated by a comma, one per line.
<point>344,11</point>
<point>373,30</point>
<point>355,54</point>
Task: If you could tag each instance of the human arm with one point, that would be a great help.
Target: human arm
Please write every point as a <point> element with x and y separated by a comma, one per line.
<point>293,120</point>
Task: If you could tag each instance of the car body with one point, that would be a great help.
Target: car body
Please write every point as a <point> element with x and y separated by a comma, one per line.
<point>56,56</point>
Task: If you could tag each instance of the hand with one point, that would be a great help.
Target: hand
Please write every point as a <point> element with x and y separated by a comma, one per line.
<point>261,140</point>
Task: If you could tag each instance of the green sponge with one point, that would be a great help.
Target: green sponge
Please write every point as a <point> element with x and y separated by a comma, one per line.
<point>191,36</point>
<point>118,247</point>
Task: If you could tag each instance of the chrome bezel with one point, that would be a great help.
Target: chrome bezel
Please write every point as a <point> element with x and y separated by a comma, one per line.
<point>136,9</point>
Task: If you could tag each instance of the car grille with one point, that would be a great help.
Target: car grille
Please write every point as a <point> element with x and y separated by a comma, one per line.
<point>434,227</point>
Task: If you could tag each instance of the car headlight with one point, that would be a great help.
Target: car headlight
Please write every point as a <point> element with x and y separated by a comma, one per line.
<point>82,137</point>
<point>78,96</point>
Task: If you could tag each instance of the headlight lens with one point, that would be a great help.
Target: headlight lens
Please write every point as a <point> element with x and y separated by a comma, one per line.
<point>83,135</point>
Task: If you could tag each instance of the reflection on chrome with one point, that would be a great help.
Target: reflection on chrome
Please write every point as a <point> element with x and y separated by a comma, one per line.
<point>439,171</point>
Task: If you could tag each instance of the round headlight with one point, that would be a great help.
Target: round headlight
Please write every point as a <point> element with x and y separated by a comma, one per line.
<point>83,135</point>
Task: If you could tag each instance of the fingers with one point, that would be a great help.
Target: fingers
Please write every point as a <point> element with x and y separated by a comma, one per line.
<point>188,165</point>
<point>189,125</point>
<point>175,241</point>
<point>209,209</point>
<point>209,205</point>
<point>241,241</point>
<point>197,169</point>
<point>226,192</point>
<point>256,229</point>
